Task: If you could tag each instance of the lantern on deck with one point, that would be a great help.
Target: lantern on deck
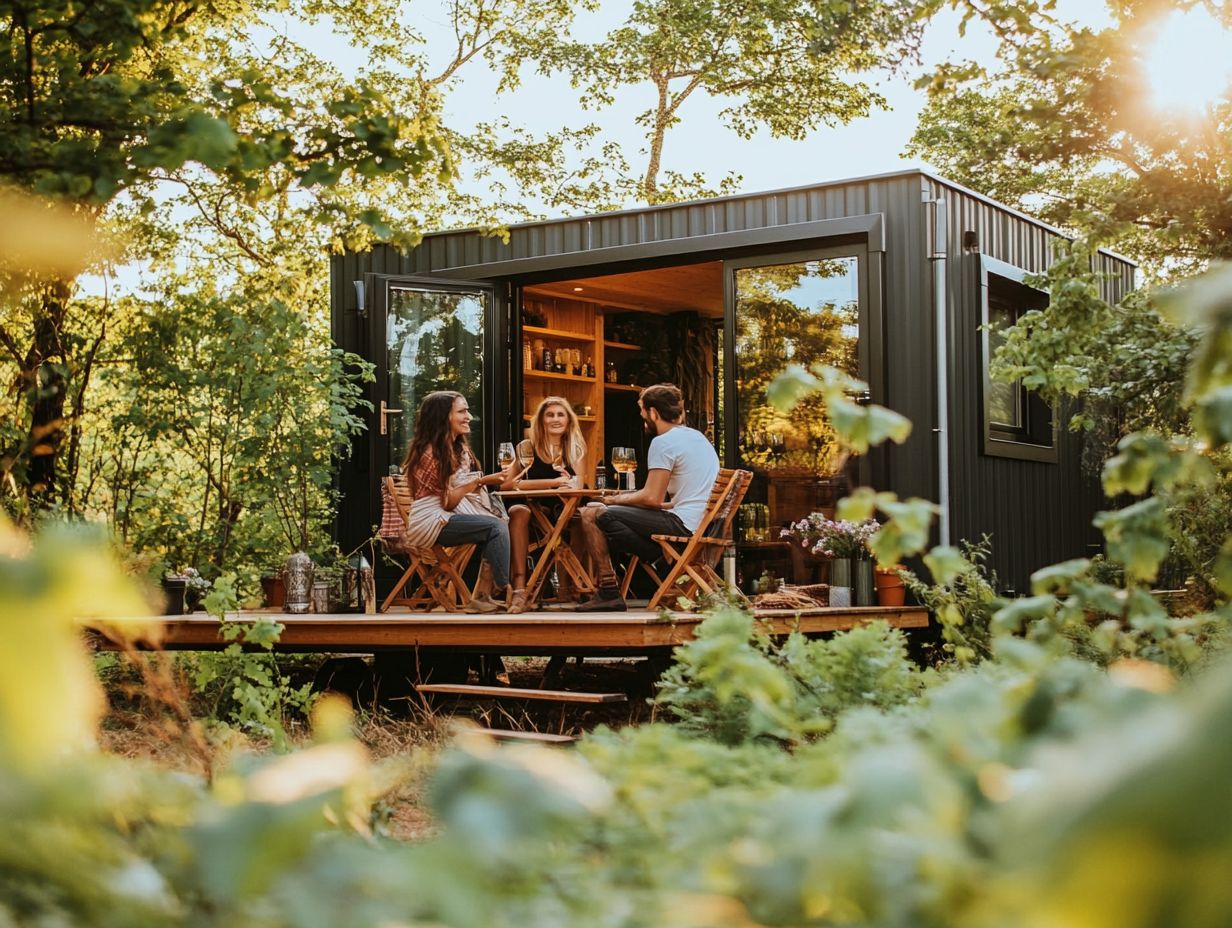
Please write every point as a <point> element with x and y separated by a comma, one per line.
<point>298,574</point>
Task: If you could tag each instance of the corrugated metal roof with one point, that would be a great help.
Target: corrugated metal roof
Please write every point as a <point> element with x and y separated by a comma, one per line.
<point>631,220</point>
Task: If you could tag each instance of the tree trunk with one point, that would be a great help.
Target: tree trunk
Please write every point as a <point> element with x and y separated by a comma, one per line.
<point>663,115</point>
<point>45,369</point>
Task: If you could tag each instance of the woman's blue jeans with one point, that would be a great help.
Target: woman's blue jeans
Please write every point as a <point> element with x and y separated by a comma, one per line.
<point>492,536</point>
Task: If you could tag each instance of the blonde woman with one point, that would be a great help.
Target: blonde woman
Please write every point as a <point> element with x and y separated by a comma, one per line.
<point>551,458</point>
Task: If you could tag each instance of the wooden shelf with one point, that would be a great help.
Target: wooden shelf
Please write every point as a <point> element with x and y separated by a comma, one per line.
<point>627,387</point>
<point>562,334</point>
<point>551,375</point>
<point>623,345</point>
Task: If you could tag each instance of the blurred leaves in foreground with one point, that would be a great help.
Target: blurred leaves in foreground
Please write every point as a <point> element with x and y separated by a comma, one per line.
<point>1031,789</point>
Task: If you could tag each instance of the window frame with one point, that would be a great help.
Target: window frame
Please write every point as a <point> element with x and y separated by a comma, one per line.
<point>1036,439</point>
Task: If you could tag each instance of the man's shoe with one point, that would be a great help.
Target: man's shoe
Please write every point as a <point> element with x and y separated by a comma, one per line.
<point>482,604</point>
<point>605,600</point>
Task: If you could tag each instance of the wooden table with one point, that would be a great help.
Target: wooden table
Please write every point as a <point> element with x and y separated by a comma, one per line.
<point>552,552</point>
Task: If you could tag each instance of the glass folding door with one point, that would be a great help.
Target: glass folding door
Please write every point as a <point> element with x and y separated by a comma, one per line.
<point>795,309</point>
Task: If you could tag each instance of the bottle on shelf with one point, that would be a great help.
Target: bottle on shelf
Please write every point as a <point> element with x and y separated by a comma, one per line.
<point>600,477</point>
<point>610,373</point>
<point>528,361</point>
<point>588,367</point>
<point>543,356</point>
<point>558,362</point>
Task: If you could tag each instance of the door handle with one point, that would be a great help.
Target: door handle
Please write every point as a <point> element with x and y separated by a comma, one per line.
<point>387,411</point>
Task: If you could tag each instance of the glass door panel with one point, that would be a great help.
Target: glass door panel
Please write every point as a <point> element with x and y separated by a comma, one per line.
<point>800,312</point>
<point>433,341</point>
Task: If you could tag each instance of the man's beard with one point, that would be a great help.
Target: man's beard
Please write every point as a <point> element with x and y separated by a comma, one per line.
<point>649,429</point>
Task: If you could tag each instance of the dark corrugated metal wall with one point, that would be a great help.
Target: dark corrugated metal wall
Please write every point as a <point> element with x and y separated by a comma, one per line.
<point>1037,513</point>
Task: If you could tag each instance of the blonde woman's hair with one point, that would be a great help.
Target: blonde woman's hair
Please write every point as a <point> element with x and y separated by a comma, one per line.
<point>572,444</point>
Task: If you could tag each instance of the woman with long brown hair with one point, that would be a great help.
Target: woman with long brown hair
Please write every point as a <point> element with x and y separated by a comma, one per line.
<point>552,458</point>
<point>448,506</point>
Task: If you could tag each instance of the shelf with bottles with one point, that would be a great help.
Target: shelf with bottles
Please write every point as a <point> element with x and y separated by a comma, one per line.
<point>552,375</point>
<point>535,331</point>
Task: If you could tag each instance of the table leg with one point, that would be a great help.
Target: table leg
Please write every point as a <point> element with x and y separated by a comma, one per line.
<point>548,553</point>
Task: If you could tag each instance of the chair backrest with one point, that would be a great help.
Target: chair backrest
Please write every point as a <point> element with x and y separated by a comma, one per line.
<point>395,507</point>
<point>729,489</point>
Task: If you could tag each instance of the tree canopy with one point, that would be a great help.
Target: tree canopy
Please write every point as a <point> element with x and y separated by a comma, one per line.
<point>1062,126</point>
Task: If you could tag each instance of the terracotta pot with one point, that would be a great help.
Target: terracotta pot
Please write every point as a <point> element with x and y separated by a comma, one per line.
<point>274,591</point>
<point>890,588</point>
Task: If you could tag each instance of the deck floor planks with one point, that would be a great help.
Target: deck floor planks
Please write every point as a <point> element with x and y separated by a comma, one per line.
<point>632,632</point>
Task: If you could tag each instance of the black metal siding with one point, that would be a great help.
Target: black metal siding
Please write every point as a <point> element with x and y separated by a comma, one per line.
<point>1036,513</point>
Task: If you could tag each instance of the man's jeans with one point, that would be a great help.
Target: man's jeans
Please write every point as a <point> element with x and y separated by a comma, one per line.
<point>628,529</point>
<point>492,536</point>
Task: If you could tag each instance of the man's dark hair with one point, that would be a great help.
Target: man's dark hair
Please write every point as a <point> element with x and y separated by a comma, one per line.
<point>666,399</point>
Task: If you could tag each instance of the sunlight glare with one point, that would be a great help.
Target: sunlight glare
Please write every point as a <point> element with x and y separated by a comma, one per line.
<point>1188,61</point>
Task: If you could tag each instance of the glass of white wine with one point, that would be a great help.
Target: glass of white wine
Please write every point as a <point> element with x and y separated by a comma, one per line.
<point>624,462</point>
<point>505,454</point>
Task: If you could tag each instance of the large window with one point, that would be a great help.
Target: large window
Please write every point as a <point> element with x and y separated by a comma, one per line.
<point>1017,423</point>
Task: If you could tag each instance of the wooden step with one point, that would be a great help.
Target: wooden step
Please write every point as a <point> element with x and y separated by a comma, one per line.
<point>503,734</point>
<point>512,692</point>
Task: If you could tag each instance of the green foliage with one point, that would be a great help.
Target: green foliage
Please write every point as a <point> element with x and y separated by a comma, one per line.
<point>962,597</point>
<point>108,105</point>
<point>246,686</point>
<point>734,687</point>
<point>1060,353</point>
<point>230,417</point>
<point>1059,123</point>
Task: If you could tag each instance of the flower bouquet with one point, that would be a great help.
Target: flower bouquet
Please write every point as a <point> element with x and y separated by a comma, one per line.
<point>832,538</point>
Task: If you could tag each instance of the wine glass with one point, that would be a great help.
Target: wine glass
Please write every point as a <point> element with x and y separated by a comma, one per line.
<point>624,462</point>
<point>526,455</point>
<point>505,454</point>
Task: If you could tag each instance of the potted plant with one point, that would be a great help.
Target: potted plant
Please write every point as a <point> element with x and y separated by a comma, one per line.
<point>273,588</point>
<point>185,590</point>
<point>845,545</point>
<point>891,591</point>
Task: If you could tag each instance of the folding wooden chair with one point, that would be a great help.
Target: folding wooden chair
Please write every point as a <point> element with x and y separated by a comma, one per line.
<point>434,575</point>
<point>691,559</point>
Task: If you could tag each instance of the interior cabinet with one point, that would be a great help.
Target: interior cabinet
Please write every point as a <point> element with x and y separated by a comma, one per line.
<point>573,331</point>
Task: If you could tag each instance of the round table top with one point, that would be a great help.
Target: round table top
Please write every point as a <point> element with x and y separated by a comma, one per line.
<point>585,492</point>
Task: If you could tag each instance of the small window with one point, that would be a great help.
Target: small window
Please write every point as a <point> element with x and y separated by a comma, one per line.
<point>1017,423</point>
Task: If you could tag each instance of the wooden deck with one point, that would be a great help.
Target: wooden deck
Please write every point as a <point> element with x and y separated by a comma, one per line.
<point>556,632</point>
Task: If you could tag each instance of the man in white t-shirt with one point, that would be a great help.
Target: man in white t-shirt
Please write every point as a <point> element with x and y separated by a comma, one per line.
<point>681,463</point>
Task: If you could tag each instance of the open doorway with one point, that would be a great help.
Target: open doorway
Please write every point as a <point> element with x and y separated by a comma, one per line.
<point>721,330</point>
<point>598,341</point>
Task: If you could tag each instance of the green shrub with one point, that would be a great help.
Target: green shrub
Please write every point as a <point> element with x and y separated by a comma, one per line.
<point>734,686</point>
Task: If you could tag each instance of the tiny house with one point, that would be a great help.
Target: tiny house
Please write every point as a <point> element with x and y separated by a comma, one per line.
<point>890,277</point>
